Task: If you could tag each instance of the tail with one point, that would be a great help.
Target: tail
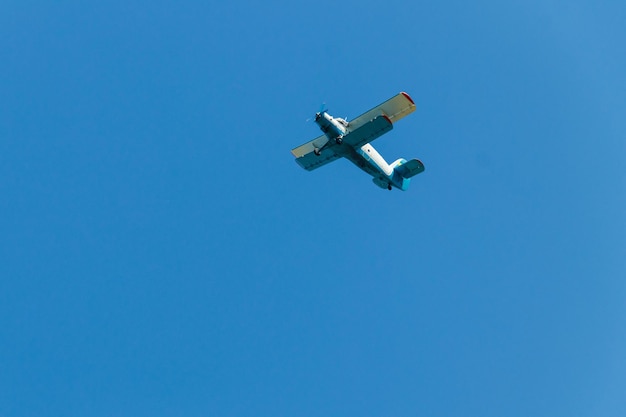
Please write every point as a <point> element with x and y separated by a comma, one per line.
<point>408,169</point>
<point>404,170</point>
<point>401,174</point>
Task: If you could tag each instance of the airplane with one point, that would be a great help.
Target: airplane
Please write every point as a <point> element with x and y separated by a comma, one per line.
<point>351,140</point>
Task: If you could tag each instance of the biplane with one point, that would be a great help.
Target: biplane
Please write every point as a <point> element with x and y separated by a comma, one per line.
<point>352,140</point>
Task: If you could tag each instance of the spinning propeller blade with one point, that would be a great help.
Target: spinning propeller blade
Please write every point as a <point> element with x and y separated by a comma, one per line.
<point>322,109</point>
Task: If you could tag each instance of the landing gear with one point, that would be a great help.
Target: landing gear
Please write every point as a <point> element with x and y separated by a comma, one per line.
<point>317,151</point>
<point>389,187</point>
<point>339,140</point>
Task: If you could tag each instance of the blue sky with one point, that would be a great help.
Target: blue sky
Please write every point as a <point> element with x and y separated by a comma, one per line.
<point>162,254</point>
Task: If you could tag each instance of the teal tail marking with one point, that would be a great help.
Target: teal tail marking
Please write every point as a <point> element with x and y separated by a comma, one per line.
<point>410,168</point>
<point>403,172</point>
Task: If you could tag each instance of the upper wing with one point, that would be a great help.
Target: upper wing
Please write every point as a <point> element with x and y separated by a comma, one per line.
<point>395,109</point>
<point>306,158</point>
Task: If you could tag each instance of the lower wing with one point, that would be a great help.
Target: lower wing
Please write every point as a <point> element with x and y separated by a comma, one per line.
<point>368,131</point>
<point>308,159</point>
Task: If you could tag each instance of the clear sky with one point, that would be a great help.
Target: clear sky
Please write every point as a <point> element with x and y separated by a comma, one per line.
<point>162,254</point>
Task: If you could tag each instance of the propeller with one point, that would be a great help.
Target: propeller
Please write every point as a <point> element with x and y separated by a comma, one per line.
<point>322,109</point>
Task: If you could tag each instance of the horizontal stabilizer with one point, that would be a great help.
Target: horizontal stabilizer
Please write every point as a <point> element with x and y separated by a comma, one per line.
<point>410,168</point>
<point>381,183</point>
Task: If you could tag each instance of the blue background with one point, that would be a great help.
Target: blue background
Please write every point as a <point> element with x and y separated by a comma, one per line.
<point>162,254</point>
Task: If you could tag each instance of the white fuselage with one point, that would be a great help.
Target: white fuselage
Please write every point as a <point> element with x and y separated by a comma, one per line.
<point>332,127</point>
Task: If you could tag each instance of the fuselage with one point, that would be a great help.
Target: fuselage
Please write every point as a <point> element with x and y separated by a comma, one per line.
<point>332,127</point>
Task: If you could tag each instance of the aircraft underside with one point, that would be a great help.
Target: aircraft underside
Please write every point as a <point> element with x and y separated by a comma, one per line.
<point>351,140</point>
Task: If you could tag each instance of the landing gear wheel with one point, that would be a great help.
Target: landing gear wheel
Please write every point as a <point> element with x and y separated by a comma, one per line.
<point>339,140</point>
<point>317,152</point>
<point>389,187</point>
